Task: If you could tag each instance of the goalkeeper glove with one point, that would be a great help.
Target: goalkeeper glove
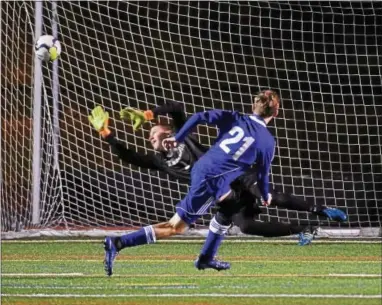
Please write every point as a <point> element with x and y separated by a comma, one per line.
<point>137,116</point>
<point>100,121</point>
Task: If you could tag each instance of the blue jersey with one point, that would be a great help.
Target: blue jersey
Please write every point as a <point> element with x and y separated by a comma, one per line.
<point>243,140</point>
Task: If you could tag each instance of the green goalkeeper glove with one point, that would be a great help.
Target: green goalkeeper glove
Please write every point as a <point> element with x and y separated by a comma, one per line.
<point>137,116</point>
<point>100,121</point>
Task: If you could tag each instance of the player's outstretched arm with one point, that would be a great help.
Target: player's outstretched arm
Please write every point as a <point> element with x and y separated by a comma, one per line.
<point>99,119</point>
<point>130,156</point>
<point>217,117</point>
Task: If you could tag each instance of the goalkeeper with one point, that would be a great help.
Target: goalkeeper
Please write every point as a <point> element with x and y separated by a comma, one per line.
<point>178,163</point>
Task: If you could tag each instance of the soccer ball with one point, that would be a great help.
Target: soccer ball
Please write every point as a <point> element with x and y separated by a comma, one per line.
<point>47,48</point>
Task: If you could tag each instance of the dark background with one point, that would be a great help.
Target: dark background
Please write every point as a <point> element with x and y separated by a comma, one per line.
<point>323,59</point>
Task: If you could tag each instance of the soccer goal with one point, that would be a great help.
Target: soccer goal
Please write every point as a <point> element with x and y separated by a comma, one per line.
<point>324,59</point>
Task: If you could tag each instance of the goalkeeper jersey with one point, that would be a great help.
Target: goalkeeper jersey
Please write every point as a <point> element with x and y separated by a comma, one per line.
<point>178,162</point>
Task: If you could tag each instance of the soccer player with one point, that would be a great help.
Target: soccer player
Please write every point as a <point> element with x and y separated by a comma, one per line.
<point>243,140</point>
<point>178,164</point>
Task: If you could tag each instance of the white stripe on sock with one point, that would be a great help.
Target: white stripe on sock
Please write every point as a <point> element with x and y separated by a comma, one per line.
<point>148,234</point>
<point>217,228</point>
<point>154,238</point>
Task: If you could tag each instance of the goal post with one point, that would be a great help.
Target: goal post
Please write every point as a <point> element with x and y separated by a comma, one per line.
<point>37,95</point>
<point>324,60</point>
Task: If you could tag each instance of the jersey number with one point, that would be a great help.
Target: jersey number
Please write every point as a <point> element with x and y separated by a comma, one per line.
<point>238,135</point>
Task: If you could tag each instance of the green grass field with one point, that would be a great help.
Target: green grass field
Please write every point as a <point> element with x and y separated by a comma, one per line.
<point>71,272</point>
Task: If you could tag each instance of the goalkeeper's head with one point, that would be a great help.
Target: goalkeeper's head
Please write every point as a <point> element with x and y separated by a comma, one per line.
<point>157,134</point>
<point>266,104</point>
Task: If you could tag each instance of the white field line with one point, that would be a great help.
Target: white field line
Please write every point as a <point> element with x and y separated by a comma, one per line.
<point>354,275</point>
<point>205,295</point>
<point>42,274</point>
<point>48,275</point>
<point>120,286</point>
<point>188,260</point>
<point>197,241</point>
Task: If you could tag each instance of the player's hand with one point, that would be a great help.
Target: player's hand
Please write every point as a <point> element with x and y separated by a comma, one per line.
<point>137,116</point>
<point>169,143</point>
<point>99,118</point>
<point>268,202</point>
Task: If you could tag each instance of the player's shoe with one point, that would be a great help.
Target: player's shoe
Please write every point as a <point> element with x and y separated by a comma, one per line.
<point>335,214</point>
<point>306,237</point>
<point>110,254</point>
<point>202,264</point>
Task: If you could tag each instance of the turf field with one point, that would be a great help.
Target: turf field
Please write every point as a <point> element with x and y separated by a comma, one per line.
<point>71,272</point>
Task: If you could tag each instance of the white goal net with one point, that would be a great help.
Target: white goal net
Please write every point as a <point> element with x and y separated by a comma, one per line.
<point>324,60</point>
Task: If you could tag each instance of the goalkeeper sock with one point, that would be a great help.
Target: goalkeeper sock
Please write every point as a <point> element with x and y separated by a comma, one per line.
<point>215,237</point>
<point>145,235</point>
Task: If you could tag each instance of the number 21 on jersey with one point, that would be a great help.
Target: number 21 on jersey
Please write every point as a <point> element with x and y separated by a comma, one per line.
<point>238,135</point>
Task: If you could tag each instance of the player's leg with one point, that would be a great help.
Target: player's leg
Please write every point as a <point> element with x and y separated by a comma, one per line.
<point>267,229</point>
<point>290,202</point>
<point>218,228</point>
<point>241,205</point>
<point>150,234</point>
<point>248,183</point>
<point>234,199</point>
<point>249,226</point>
<point>176,225</point>
<point>195,204</point>
<point>145,235</point>
<point>113,245</point>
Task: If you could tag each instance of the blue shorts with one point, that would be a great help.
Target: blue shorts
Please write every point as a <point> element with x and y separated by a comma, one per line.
<point>196,203</point>
<point>202,195</point>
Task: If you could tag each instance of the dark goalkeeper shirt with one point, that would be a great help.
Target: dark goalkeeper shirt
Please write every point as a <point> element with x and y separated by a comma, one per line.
<point>176,163</point>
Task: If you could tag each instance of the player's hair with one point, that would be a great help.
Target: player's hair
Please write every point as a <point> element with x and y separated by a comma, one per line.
<point>271,100</point>
<point>163,125</point>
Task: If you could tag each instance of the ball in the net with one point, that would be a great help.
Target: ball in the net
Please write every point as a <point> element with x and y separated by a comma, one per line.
<point>48,48</point>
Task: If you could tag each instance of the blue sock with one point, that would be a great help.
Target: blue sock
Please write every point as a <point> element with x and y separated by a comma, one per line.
<point>211,245</point>
<point>145,235</point>
<point>215,237</point>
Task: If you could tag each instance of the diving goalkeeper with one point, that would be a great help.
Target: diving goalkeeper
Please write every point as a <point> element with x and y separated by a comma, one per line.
<point>178,164</point>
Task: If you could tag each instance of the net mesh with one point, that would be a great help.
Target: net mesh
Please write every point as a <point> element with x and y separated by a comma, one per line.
<point>323,59</point>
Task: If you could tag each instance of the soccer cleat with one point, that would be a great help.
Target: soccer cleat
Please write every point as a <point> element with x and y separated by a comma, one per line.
<point>306,237</point>
<point>211,264</point>
<point>110,254</point>
<point>335,214</point>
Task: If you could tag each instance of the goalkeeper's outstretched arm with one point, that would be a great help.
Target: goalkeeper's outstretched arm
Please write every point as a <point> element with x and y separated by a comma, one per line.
<point>130,156</point>
<point>100,121</point>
